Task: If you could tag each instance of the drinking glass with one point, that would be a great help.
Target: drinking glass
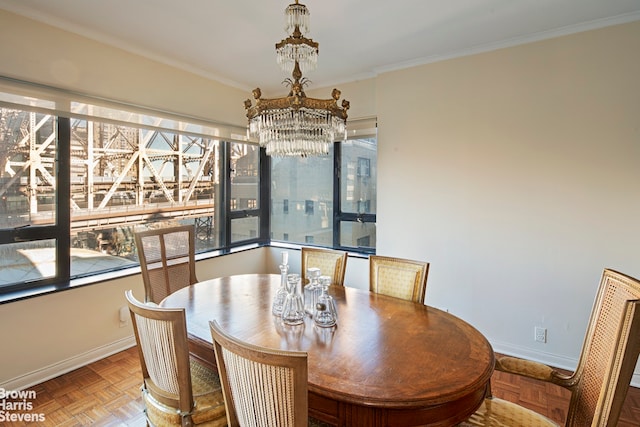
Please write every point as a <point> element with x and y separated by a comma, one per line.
<point>293,310</point>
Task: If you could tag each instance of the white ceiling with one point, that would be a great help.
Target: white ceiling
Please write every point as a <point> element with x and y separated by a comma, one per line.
<point>234,40</point>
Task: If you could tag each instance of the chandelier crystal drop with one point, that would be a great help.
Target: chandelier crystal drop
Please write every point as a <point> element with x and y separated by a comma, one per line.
<point>296,15</point>
<point>296,125</point>
<point>292,50</point>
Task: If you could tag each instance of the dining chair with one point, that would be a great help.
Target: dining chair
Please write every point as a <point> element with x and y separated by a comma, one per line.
<point>331,262</point>
<point>398,277</point>
<point>176,389</point>
<point>262,387</point>
<point>601,380</point>
<point>167,260</point>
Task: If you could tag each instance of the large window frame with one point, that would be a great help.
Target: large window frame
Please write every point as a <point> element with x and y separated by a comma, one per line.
<point>317,207</point>
<point>67,106</point>
<point>340,216</point>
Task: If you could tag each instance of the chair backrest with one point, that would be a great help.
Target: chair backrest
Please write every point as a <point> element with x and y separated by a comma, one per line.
<point>609,354</point>
<point>167,260</point>
<point>331,262</point>
<point>261,387</point>
<point>161,335</point>
<point>397,277</point>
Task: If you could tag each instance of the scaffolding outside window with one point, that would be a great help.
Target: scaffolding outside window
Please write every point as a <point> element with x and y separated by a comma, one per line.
<point>74,186</point>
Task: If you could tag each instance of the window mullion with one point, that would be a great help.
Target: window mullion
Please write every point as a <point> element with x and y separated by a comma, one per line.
<point>63,200</point>
<point>337,209</point>
<point>265,195</point>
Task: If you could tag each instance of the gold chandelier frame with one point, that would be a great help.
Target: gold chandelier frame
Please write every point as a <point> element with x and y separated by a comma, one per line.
<point>296,125</point>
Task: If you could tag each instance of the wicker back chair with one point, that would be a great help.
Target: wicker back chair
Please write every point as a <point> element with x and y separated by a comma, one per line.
<point>167,260</point>
<point>262,387</point>
<point>331,262</point>
<point>176,390</point>
<point>398,277</point>
<point>601,381</point>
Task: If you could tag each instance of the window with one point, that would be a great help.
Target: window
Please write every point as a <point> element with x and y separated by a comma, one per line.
<point>335,197</point>
<point>358,196</point>
<point>74,188</point>
<point>246,219</point>
<point>79,176</point>
<point>364,167</point>
<point>308,207</point>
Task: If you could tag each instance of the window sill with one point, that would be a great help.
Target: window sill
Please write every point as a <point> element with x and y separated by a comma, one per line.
<point>35,291</point>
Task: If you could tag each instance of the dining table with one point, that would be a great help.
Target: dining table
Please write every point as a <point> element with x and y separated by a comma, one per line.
<point>387,361</point>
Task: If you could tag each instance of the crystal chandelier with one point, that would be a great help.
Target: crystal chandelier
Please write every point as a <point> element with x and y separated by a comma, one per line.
<point>296,125</point>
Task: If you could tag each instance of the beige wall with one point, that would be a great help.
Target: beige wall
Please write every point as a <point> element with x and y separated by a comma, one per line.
<point>53,333</point>
<point>39,53</point>
<point>43,336</point>
<point>514,172</point>
<point>360,94</point>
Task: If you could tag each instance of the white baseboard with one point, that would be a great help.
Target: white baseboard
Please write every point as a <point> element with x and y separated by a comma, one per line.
<point>553,360</point>
<point>48,372</point>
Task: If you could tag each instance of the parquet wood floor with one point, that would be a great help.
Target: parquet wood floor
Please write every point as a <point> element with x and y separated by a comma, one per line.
<point>107,393</point>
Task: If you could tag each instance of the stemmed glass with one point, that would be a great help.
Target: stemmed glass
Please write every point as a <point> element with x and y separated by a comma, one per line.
<point>293,309</point>
<point>326,314</point>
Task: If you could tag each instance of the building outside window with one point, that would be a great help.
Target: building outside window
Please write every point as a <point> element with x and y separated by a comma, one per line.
<point>311,182</point>
<point>75,188</point>
<point>357,228</point>
<point>301,181</point>
<point>244,165</point>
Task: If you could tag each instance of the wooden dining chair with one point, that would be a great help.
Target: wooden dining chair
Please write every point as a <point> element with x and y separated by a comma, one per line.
<point>601,380</point>
<point>262,387</point>
<point>167,260</point>
<point>398,277</point>
<point>176,390</point>
<point>331,262</point>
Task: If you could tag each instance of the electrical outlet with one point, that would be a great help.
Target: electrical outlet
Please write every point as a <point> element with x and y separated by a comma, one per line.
<point>541,334</point>
<point>124,316</point>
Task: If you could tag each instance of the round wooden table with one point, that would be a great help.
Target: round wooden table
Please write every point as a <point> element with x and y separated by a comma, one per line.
<point>388,362</point>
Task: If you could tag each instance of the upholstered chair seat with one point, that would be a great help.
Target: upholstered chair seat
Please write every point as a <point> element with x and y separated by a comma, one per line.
<point>207,397</point>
